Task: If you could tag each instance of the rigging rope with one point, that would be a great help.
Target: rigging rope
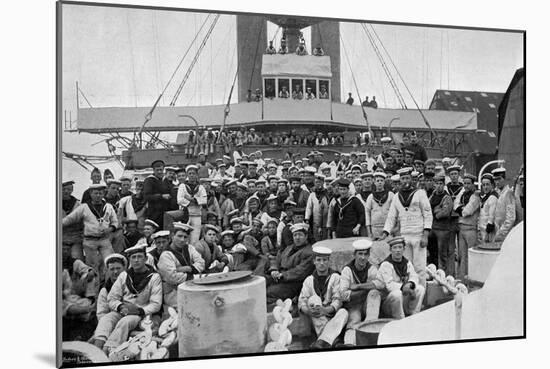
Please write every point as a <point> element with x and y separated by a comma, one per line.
<point>355,83</point>
<point>194,61</point>
<point>149,115</point>
<point>275,35</point>
<point>223,42</point>
<point>255,56</point>
<point>84,96</point>
<point>132,57</point>
<point>406,87</point>
<point>393,84</point>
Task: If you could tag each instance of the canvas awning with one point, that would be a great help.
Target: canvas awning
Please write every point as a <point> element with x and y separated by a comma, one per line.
<point>278,111</point>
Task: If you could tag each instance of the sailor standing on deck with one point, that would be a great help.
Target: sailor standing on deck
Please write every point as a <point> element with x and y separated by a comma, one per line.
<point>192,195</point>
<point>348,214</point>
<point>377,206</point>
<point>489,199</point>
<point>412,209</point>
<point>454,186</point>
<point>100,220</point>
<point>320,300</point>
<point>156,193</point>
<point>467,204</point>
<point>71,234</point>
<point>317,209</point>
<point>95,176</point>
<point>359,289</point>
<point>403,292</point>
<point>505,213</point>
<point>442,206</point>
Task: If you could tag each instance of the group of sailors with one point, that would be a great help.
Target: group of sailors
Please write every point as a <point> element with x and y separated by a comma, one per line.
<point>125,252</point>
<point>300,49</point>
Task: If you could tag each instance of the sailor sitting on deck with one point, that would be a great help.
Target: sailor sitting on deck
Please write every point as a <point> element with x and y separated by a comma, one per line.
<point>79,287</point>
<point>178,263</point>
<point>214,259</point>
<point>293,264</point>
<point>359,289</point>
<point>403,293</point>
<point>114,265</point>
<point>135,294</point>
<point>320,300</point>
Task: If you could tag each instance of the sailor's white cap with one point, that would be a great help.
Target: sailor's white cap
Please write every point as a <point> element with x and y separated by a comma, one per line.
<point>151,223</point>
<point>404,171</point>
<point>363,244</point>
<point>182,226</point>
<point>140,247</point>
<point>321,251</point>
<point>299,227</point>
<point>117,257</point>
<point>163,233</point>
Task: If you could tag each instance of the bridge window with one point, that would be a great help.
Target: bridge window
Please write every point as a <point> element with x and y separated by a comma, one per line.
<point>269,86</point>
<point>284,88</point>
<point>311,84</point>
<point>324,92</point>
<point>298,89</point>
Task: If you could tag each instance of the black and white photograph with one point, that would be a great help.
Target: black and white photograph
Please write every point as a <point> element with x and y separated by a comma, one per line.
<point>238,183</point>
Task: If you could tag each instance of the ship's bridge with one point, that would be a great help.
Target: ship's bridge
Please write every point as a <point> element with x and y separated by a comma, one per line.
<point>290,73</point>
<point>287,79</point>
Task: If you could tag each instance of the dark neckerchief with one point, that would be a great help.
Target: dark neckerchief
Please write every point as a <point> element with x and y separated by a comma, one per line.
<point>239,203</point>
<point>155,254</point>
<point>359,276</point>
<point>112,200</point>
<point>183,258</point>
<point>406,196</point>
<point>320,193</point>
<point>343,206</point>
<point>192,188</point>
<point>296,194</point>
<point>365,195</point>
<point>436,198</point>
<point>276,214</point>
<point>380,197</point>
<point>98,209</point>
<point>466,197</point>
<point>210,198</point>
<point>68,263</point>
<point>454,189</point>
<point>400,268</point>
<point>429,192</point>
<point>320,283</point>
<point>68,204</point>
<point>136,282</point>
<point>273,240</point>
<point>108,284</point>
<point>138,203</point>
<point>485,197</point>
